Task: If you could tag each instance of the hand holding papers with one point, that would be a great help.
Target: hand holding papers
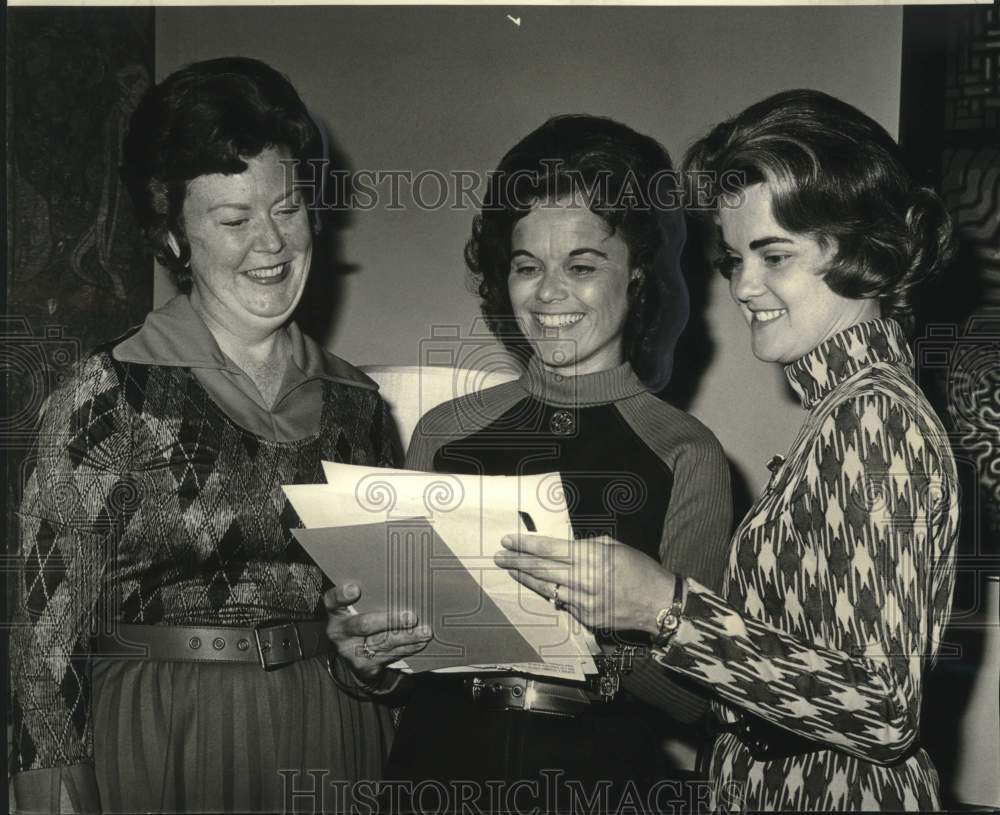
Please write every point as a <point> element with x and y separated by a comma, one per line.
<point>425,542</point>
<point>370,642</point>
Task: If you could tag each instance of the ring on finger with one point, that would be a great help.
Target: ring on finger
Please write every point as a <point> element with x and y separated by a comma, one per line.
<point>367,650</point>
<point>559,604</point>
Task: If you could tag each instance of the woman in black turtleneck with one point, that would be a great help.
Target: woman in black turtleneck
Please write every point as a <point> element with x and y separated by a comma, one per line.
<point>576,257</point>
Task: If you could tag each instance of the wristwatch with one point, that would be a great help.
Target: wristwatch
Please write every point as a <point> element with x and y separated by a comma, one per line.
<point>668,619</point>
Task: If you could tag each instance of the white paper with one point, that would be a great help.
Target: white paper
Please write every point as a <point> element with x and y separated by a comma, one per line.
<point>471,513</point>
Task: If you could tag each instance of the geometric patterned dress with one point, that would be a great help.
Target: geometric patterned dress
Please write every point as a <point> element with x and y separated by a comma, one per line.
<point>149,504</point>
<point>838,590</point>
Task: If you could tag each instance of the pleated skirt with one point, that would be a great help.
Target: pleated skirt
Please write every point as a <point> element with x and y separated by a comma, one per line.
<point>210,737</point>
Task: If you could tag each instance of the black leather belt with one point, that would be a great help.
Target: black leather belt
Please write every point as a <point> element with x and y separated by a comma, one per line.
<point>272,644</point>
<point>768,742</point>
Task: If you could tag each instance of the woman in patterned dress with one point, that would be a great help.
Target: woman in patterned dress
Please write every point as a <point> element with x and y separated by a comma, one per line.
<point>171,652</point>
<point>840,576</point>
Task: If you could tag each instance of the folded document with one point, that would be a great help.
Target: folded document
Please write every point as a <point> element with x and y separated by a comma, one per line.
<point>425,542</point>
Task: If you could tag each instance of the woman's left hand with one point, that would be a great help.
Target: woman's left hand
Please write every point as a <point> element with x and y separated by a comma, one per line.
<point>371,641</point>
<point>605,584</point>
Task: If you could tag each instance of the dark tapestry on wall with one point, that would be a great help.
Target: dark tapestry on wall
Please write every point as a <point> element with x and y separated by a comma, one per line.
<point>970,182</point>
<point>950,129</point>
<point>77,272</point>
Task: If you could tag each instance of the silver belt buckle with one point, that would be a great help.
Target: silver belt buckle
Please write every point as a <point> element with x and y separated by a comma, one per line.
<point>278,644</point>
<point>506,694</point>
<point>548,700</point>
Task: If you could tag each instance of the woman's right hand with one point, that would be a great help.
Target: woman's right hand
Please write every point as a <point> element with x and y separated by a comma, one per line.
<point>371,641</point>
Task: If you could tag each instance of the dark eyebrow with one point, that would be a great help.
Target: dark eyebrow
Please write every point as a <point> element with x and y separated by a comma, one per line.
<point>573,253</point>
<point>518,253</point>
<point>762,242</point>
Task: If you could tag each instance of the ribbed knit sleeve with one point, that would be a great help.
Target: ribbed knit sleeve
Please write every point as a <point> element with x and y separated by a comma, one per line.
<point>423,446</point>
<point>696,529</point>
<point>456,419</point>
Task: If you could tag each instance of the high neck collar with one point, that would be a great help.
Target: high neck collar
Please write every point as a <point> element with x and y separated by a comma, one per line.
<point>581,391</point>
<point>833,361</point>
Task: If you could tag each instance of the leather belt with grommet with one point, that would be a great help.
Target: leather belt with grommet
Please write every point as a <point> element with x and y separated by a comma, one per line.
<point>272,644</point>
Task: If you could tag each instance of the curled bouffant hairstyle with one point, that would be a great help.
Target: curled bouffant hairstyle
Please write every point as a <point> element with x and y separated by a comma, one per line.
<point>206,118</point>
<point>625,178</point>
<point>837,175</point>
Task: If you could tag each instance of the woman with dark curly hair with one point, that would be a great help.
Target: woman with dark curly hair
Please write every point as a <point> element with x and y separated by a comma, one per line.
<point>628,182</point>
<point>576,257</point>
<point>171,650</point>
<point>840,576</point>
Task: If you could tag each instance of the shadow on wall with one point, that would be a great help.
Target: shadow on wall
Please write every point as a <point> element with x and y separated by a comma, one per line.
<point>322,303</point>
<point>696,348</point>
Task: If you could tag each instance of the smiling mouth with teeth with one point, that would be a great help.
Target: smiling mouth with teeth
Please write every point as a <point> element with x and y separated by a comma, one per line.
<point>268,273</point>
<point>768,316</point>
<point>557,320</point>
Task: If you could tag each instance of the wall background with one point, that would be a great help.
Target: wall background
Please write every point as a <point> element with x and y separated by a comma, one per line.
<point>452,88</point>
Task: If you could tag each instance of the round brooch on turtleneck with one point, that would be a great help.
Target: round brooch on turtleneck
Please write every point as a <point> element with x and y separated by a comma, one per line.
<point>562,423</point>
